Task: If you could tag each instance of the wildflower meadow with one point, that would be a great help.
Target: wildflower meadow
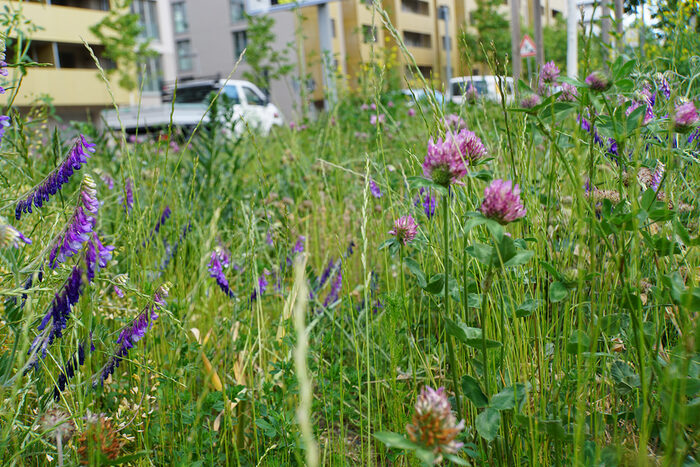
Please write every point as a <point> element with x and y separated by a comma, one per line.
<point>395,282</point>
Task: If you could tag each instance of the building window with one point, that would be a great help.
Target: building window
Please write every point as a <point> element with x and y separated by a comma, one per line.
<point>150,74</point>
<point>333,28</point>
<point>237,10</point>
<point>180,17</point>
<point>184,55</point>
<point>240,41</point>
<point>418,7</point>
<point>369,33</point>
<point>556,13</point>
<point>472,18</point>
<point>148,17</point>
<point>416,39</point>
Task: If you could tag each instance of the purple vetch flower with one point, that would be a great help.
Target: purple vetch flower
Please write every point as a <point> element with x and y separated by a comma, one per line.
<point>70,241</point>
<point>216,270</point>
<point>374,119</point>
<point>261,286</point>
<point>568,93</point>
<point>4,123</point>
<point>350,249</point>
<point>529,101</point>
<point>502,202</point>
<point>427,200</point>
<point>58,314</point>
<point>598,81</point>
<point>119,281</point>
<point>128,199</point>
<point>163,217</point>
<point>695,136</point>
<point>325,275</point>
<point>550,73</point>
<point>434,425</point>
<point>9,236</point>
<point>374,189</point>
<point>446,160</point>
<point>132,333</point>
<point>657,176</point>
<point>337,284</point>
<point>57,178</point>
<point>68,371</point>
<point>685,117</point>
<point>298,248</point>
<point>453,123</point>
<point>405,230</point>
<point>96,255</point>
<point>663,86</point>
<point>107,180</point>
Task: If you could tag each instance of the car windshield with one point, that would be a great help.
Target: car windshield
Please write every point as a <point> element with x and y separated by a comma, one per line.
<point>232,93</point>
<point>193,94</point>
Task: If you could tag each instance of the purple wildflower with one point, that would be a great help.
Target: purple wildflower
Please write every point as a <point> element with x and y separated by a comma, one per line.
<point>56,179</point>
<point>9,236</point>
<point>216,264</point>
<point>4,123</point>
<point>334,293</point>
<point>107,180</point>
<point>657,176</point>
<point>529,101</point>
<point>97,255</point>
<point>405,230</point>
<point>502,202</point>
<point>663,86</point>
<point>471,94</point>
<point>132,333</point>
<point>598,81</point>
<point>325,275</point>
<point>427,200</point>
<point>128,200</point>
<point>350,249</point>
<point>261,286</point>
<point>374,189</point>
<point>68,371</point>
<point>364,107</point>
<point>686,116</point>
<point>568,92</point>
<point>453,123</point>
<point>411,112</point>
<point>434,425</point>
<point>446,160</point>
<point>550,73</point>
<point>375,119</point>
<point>81,225</point>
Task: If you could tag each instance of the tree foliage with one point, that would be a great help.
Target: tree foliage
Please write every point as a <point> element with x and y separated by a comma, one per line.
<point>491,28</point>
<point>266,62</point>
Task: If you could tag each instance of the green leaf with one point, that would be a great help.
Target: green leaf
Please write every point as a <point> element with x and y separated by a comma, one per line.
<point>481,252</point>
<point>395,440</point>
<point>612,323</point>
<point>129,458</point>
<point>436,284</point>
<point>467,335</point>
<point>496,230</point>
<point>520,258</point>
<point>475,221</point>
<point>422,182</point>
<point>624,376</point>
<point>509,397</point>
<point>578,338</point>
<point>557,292</point>
<point>487,424</point>
<point>527,307</point>
<point>455,460</point>
<point>386,243</point>
<point>415,269</point>
<point>472,389</point>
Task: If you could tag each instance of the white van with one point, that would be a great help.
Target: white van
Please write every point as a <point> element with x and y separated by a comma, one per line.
<point>250,108</point>
<point>486,88</point>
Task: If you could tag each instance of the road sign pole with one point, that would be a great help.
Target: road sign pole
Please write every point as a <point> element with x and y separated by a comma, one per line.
<point>325,36</point>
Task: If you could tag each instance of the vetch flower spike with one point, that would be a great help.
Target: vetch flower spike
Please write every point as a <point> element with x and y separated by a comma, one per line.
<point>55,180</point>
<point>9,236</point>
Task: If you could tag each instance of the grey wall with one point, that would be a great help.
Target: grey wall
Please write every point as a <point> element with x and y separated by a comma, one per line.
<point>210,32</point>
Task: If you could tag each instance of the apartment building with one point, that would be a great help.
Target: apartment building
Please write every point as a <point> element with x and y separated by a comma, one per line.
<point>69,75</point>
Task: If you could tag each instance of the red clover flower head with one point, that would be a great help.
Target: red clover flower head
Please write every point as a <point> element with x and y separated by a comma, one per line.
<point>530,101</point>
<point>446,160</point>
<point>598,81</point>
<point>550,73</point>
<point>502,202</point>
<point>686,116</point>
<point>434,425</point>
<point>405,230</point>
<point>453,123</point>
<point>568,92</point>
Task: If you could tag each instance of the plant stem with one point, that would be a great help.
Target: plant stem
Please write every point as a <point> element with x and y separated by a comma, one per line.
<point>450,347</point>
<point>485,356</point>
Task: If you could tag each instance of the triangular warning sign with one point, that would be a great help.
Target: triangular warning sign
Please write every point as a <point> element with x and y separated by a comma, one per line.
<point>527,47</point>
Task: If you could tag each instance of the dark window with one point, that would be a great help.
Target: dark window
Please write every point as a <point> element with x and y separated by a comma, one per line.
<point>418,7</point>
<point>150,74</point>
<point>148,17</point>
<point>333,27</point>
<point>184,55</point>
<point>237,10</point>
<point>193,94</point>
<point>180,17</point>
<point>240,41</point>
<point>369,33</point>
<point>252,97</point>
<point>416,39</point>
<point>556,13</point>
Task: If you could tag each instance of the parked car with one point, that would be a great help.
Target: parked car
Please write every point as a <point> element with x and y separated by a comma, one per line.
<point>414,96</point>
<point>486,88</point>
<point>251,108</point>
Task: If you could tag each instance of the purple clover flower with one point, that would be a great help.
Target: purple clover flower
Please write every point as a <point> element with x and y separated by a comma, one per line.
<point>405,230</point>
<point>502,202</point>
<point>686,116</point>
<point>529,101</point>
<point>374,189</point>
<point>446,160</point>
<point>550,73</point>
<point>471,94</point>
<point>132,333</point>
<point>453,123</point>
<point>598,81</point>
<point>434,425</point>
<point>55,180</point>
<point>568,93</point>
<point>375,119</point>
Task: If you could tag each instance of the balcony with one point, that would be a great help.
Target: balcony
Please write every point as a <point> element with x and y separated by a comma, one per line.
<point>68,87</point>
